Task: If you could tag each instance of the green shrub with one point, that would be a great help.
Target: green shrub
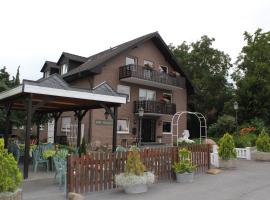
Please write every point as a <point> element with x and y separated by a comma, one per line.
<point>134,166</point>
<point>243,141</point>
<point>263,142</point>
<point>224,124</point>
<point>10,175</point>
<point>226,149</point>
<point>185,164</point>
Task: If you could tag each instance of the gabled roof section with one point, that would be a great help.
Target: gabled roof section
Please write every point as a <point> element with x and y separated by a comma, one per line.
<point>102,57</point>
<point>53,81</point>
<point>49,64</point>
<point>96,61</point>
<point>104,88</point>
<point>72,57</point>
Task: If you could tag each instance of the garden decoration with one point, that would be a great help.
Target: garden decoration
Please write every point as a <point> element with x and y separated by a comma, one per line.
<point>134,179</point>
<point>184,169</point>
<point>227,152</point>
<point>263,147</point>
<point>10,175</point>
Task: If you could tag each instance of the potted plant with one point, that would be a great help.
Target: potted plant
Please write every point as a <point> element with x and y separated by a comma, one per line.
<point>134,180</point>
<point>10,175</point>
<point>263,147</point>
<point>184,169</point>
<point>227,152</point>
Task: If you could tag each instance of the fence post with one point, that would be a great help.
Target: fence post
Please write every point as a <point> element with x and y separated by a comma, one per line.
<point>208,156</point>
<point>248,153</point>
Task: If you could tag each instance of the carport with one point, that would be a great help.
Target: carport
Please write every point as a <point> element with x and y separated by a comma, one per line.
<point>54,96</point>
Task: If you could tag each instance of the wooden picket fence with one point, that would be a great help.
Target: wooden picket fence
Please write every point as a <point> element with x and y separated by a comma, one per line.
<point>96,172</point>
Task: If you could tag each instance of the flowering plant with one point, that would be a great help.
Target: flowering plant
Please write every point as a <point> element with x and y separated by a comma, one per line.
<point>134,171</point>
<point>247,130</point>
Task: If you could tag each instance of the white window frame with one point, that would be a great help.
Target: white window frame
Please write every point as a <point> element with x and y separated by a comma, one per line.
<point>169,94</point>
<point>128,123</point>
<point>41,127</point>
<point>46,74</point>
<point>64,69</point>
<point>65,128</point>
<point>126,87</point>
<point>167,133</point>
<point>133,58</point>
<point>140,89</point>
<point>161,70</point>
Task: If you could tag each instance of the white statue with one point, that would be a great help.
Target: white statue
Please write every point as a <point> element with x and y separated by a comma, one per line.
<point>184,138</point>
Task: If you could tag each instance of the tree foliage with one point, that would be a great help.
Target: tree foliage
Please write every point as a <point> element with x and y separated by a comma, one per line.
<point>208,69</point>
<point>252,77</point>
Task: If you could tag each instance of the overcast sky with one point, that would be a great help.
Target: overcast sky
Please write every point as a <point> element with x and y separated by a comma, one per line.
<point>32,32</point>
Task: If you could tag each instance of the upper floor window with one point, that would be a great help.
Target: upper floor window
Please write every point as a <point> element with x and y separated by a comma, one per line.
<point>149,95</point>
<point>131,60</point>
<point>148,63</point>
<point>163,69</point>
<point>123,89</point>
<point>64,69</point>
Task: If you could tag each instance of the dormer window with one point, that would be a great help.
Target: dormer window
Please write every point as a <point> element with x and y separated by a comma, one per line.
<point>64,69</point>
<point>46,74</point>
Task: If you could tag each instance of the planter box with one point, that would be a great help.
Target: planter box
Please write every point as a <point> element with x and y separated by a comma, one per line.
<point>136,189</point>
<point>262,156</point>
<point>185,177</point>
<point>227,164</point>
<point>17,195</point>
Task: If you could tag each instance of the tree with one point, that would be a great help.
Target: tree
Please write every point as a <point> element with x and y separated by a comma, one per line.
<point>252,77</point>
<point>208,69</point>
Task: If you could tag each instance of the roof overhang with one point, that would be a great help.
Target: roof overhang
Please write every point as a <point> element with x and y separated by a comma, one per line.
<point>49,99</point>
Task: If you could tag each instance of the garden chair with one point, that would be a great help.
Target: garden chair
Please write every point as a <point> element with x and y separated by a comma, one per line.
<point>15,150</point>
<point>38,159</point>
<point>60,170</point>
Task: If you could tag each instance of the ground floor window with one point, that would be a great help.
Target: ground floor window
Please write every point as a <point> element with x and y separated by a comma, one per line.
<point>122,126</point>
<point>166,128</point>
<point>65,124</point>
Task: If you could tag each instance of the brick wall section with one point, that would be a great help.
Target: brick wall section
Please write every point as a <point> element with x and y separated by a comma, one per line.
<point>110,74</point>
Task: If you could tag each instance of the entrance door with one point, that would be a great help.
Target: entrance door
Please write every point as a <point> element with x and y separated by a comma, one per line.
<point>50,132</point>
<point>148,130</point>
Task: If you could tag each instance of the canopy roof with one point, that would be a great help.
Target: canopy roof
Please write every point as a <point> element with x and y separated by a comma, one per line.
<point>54,94</point>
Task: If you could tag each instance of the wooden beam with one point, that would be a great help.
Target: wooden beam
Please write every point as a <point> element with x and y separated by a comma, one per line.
<point>7,109</point>
<point>114,140</point>
<point>56,116</point>
<point>27,136</point>
<point>79,114</point>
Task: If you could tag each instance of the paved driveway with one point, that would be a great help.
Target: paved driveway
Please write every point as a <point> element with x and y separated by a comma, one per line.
<point>250,181</point>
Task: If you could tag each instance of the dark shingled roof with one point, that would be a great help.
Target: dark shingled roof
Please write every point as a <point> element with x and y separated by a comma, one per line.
<point>99,58</point>
<point>72,57</point>
<point>49,64</point>
<point>57,82</point>
<point>96,61</point>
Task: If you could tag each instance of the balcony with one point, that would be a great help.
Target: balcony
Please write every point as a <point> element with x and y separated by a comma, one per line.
<point>155,108</point>
<point>149,77</point>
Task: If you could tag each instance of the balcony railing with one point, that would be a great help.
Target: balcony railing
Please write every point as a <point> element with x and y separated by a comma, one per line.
<point>146,73</point>
<point>155,107</point>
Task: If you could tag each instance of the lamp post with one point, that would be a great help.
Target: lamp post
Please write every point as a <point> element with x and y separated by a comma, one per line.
<point>235,106</point>
<point>141,112</point>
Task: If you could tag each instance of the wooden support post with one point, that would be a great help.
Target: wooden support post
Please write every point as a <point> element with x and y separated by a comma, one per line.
<point>38,123</point>
<point>79,114</point>
<point>38,131</point>
<point>114,140</point>
<point>27,136</point>
<point>56,116</point>
<point>7,123</point>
